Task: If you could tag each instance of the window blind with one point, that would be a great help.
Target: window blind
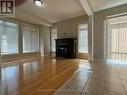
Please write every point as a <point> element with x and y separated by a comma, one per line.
<point>9,37</point>
<point>30,38</point>
<point>83,38</point>
<point>117,38</point>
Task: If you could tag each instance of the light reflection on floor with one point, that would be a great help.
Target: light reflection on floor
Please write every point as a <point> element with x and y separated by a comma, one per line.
<point>97,78</point>
<point>84,64</point>
<point>110,61</point>
<point>89,78</point>
<point>22,73</point>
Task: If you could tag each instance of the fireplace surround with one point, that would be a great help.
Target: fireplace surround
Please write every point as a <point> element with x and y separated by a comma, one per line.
<point>66,47</point>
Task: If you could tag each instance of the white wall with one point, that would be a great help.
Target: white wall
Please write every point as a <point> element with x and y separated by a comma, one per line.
<point>45,40</point>
<point>90,38</point>
<point>69,28</point>
<point>41,41</point>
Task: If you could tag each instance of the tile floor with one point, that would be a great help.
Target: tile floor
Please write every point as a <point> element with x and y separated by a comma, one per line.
<point>97,78</point>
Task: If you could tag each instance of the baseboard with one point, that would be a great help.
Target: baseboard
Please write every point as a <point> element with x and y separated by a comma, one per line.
<point>18,58</point>
<point>99,60</point>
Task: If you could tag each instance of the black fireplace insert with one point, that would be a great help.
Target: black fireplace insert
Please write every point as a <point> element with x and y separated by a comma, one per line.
<point>66,47</point>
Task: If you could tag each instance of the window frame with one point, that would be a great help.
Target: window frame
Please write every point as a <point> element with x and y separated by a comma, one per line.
<point>51,38</point>
<point>33,26</point>
<point>108,56</point>
<point>85,52</point>
<point>20,53</point>
<point>15,22</point>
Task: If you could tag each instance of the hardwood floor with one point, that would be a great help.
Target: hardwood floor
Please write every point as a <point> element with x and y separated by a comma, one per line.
<point>38,76</point>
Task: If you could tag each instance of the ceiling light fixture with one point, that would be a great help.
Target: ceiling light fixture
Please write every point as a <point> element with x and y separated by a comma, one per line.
<point>38,2</point>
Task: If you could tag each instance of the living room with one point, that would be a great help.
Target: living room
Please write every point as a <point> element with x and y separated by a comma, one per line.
<point>63,47</point>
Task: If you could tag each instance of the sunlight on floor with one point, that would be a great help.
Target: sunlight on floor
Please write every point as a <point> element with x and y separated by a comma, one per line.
<point>84,64</point>
<point>110,61</point>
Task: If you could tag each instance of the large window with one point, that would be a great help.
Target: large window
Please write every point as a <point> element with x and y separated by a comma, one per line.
<point>53,37</point>
<point>30,38</point>
<point>83,38</point>
<point>9,37</point>
<point>117,38</point>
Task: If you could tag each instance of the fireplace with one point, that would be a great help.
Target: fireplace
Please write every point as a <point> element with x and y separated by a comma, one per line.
<point>63,50</point>
<point>66,47</point>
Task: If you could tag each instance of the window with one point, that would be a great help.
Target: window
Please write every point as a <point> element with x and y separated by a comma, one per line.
<point>53,37</point>
<point>9,37</point>
<point>83,38</point>
<point>30,38</point>
<point>117,38</point>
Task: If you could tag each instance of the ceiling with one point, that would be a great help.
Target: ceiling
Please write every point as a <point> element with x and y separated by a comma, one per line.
<point>58,10</point>
<point>98,5</point>
<point>53,10</point>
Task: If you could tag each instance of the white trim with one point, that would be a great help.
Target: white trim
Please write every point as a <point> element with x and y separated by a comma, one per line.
<point>96,60</point>
<point>105,39</point>
<point>92,38</point>
<point>116,15</point>
<point>86,7</point>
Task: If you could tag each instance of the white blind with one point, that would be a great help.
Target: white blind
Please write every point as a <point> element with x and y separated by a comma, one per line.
<point>30,38</point>
<point>117,38</point>
<point>83,38</point>
<point>9,37</point>
<point>53,37</point>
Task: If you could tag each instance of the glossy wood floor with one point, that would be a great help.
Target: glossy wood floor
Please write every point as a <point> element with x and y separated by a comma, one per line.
<point>38,76</point>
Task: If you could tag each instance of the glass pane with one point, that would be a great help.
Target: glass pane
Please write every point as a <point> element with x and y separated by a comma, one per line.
<point>30,39</point>
<point>117,38</point>
<point>53,37</point>
<point>9,43</point>
<point>83,38</point>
